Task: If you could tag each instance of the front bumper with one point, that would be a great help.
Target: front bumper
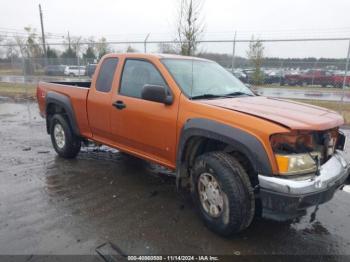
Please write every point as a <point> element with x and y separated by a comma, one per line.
<point>284,199</point>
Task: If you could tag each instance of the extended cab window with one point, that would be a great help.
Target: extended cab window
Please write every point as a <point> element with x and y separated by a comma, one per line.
<point>106,75</point>
<point>136,74</point>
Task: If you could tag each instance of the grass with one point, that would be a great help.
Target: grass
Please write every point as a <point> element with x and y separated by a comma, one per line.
<point>18,90</point>
<point>6,72</point>
<point>343,109</point>
<point>19,72</point>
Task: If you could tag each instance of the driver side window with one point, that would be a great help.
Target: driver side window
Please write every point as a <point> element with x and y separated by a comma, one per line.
<point>136,74</point>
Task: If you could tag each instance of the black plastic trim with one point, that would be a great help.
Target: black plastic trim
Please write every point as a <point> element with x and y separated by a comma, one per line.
<point>85,84</point>
<point>239,140</point>
<point>64,102</point>
<point>283,207</point>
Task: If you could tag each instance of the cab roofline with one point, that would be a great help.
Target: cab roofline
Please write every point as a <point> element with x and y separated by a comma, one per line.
<point>156,55</point>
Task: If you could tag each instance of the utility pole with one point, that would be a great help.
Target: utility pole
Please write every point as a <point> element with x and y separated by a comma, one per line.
<point>234,52</point>
<point>145,43</point>
<point>346,66</point>
<point>68,40</point>
<point>345,75</point>
<point>42,31</point>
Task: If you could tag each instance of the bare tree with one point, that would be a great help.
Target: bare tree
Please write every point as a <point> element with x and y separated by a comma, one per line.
<point>29,46</point>
<point>75,43</point>
<point>190,25</point>
<point>130,49</point>
<point>255,55</point>
<point>30,49</point>
<point>90,52</point>
<point>21,46</point>
<point>166,48</point>
<point>11,50</point>
<point>102,47</point>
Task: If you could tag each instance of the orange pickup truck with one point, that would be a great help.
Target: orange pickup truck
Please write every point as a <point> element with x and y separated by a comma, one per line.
<point>241,155</point>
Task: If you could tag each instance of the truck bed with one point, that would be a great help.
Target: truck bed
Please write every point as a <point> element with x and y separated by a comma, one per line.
<point>77,93</point>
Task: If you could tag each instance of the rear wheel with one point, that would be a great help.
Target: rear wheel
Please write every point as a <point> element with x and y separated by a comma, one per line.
<point>223,193</point>
<point>65,143</point>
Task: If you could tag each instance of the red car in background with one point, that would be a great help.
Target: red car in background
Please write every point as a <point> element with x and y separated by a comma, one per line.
<point>310,77</point>
<point>338,80</point>
<point>317,77</point>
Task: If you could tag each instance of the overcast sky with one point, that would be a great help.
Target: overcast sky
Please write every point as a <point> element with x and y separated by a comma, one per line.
<point>134,19</point>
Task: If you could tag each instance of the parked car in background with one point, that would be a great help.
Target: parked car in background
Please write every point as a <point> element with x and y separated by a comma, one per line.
<point>274,77</point>
<point>338,80</point>
<point>75,70</point>
<point>249,76</point>
<point>90,69</point>
<point>268,77</point>
<point>54,70</point>
<point>240,75</point>
<point>310,77</point>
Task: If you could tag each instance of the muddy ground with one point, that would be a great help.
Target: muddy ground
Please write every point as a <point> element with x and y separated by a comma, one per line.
<point>53,206</point>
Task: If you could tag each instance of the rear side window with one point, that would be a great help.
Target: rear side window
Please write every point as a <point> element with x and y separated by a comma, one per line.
<point>136,74</point>
<point>106,75</point>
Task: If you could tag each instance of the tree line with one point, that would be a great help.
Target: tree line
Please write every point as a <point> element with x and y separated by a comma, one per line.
<point>30,47</point>
<point>189,27</point>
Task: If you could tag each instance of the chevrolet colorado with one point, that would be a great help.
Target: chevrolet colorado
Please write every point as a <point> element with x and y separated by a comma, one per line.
<point>240,154</point>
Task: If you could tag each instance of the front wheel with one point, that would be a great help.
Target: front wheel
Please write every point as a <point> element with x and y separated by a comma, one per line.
<point>223,193</point>
<point>65,143</point>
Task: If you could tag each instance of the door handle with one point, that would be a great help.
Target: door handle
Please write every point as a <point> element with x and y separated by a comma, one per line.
<point>119,105</point>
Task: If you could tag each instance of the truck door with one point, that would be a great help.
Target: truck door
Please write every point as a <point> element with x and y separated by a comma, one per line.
<point>99,100</point>
<point>144,127</point>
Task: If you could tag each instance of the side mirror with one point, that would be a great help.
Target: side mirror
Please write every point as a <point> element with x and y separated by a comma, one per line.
<point>156,93</point>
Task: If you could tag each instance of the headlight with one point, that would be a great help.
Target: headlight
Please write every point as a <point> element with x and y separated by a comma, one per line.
<point>296,164</point>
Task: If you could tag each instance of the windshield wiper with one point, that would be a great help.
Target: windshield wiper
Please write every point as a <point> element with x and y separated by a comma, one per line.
<point>207,96</point>
<point>211,96</point>
<point>238,93</point>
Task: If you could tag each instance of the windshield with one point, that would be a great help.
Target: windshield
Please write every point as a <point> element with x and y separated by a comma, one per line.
<point>199,78</point>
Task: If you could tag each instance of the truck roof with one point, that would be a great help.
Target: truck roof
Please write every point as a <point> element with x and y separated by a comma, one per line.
<point>155,55</point>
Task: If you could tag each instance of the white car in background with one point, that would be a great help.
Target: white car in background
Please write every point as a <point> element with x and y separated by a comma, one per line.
<point>74,71</point>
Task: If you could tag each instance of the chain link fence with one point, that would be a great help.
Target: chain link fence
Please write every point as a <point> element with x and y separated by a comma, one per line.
<point>286,62</point>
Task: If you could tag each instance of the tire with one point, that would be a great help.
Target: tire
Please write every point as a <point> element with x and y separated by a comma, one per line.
<point>233,184</point>
<point>71,75</point>
<point>65,143</point>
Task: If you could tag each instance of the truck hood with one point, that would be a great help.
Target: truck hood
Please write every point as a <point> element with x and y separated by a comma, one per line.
<point>294,115</point>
